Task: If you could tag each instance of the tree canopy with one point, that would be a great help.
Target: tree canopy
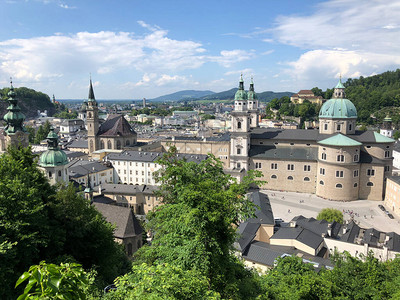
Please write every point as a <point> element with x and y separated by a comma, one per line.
<point>41,222</point>
<point>330,215</point>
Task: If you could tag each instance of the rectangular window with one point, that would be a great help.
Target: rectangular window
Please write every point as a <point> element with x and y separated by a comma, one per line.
<point>258,165</point>
<point>142,172</point>
<point>355,173</point>
<point>325,126</point>
<point>370,172</point>
<point>338,127</point>
<point>322,171</point>
<point>355,157</point>
<point>387,154</point>
<point>387,168</point>
<point>307,168</point>
<point>290,167</point>
<point>274,166</point>
<point>137,173</point>
<point>339,174</point>
<point>238,151</point>
<point>323,156</point>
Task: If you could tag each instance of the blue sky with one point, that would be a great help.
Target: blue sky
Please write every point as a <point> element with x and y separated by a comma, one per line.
<point>136,49</point>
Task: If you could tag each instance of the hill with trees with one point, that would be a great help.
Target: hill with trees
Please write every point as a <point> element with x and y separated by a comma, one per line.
<point>30,102</point>
<point>182,95</point>
<point>230,95</point>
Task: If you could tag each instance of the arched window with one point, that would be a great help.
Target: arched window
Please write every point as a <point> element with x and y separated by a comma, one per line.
<point>339,186</point>
<point>50,174</point>
<point>273,176</point>
<point>109,145</point>
<point>118,144</point>
<point>59,173</point>
<point>370,183</point>
<point>306,179</point>
<point>325,126</point>
<point>90,115</point>
<point>290,178</point>
<point>355,185</point>
<point>101,144</point>
<point>350,126</point>
<point>238,151</point>
<point>321,182</point>
<point>127,143</point>
<point>239,125</point>
<point>130,252</point>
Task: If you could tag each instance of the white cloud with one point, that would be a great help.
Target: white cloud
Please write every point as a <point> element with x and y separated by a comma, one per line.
<point>228,57</point>
<point>268,52</point>
<point>65,6</point>
<point>237,73</point>
<point>349,37</point>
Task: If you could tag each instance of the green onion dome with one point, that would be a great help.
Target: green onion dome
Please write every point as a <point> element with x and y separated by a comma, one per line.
<point>54,156</point>
<point>337,108</point>
<point>241,93</point>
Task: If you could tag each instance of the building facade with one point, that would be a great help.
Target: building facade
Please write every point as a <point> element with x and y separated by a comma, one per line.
<point>336,162</point>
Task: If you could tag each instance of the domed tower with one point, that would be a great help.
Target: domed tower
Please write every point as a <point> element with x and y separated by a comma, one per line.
<point>82,112</point>
<point>338,115</point>
<point>387,129</point>
<point>240,136</point>
<point>54,161</point>
<point>252,105</point>
<point>15,132</point>
<point>92,121</point>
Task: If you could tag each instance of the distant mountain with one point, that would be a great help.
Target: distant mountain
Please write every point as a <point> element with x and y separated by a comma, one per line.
<point>230,95</point>
<point>182,95</point>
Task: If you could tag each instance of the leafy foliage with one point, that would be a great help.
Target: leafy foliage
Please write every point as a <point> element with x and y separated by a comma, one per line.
<point>163,281</point>
<point>330,215</point>
<point>50,281</point>
<point>39,222</point>
<point>65,114</point>
<point>193,228</point>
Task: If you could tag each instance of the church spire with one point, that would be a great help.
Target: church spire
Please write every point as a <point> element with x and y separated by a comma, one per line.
<point>338,91</point>
<point>91,92</point>
<point>241,83</point>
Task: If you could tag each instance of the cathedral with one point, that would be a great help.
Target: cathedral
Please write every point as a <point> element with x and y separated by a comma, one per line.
<point>114,133</point>
<point>335,162</point>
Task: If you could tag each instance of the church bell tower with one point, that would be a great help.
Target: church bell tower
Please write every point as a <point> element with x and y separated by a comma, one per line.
<point>92,121</point>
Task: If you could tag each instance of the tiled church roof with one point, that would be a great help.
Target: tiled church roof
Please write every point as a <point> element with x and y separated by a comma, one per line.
<point>116,125</point>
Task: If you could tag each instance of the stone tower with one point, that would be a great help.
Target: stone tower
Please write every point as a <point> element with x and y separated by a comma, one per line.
<point>252,105</point>
<point>387,129</point>
<point>92,120</point>
<point>15,132</point>
<point>240,136</point>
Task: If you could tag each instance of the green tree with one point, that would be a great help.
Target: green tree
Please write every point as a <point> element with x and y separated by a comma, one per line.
<point>31,131</point>
<point>42,132</point>
<point>193,228</point>
<point>50,281</point>
<point>330,215</point>
<point>163,281</point>
<point>41,222</point>
<point>396,135</point>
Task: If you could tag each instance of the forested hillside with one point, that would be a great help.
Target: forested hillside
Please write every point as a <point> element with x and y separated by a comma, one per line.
<point>375,96</point>
<point>30,102</point>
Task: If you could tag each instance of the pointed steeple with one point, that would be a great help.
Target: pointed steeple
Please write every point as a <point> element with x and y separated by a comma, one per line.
<point>241,83</point>
<point>251,95</point>
<point>91,92</point>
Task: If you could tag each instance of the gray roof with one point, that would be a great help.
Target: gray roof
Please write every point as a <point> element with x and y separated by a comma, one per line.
<point>267,254</point>
<point>247,232</point>
<point>263,212</point>
<point>394,241</point>
<point>73,154</point>
<point>127,189</point>
<point>79,168</point>
<point>70,122</point>
<point>317,226</point>
<point>142,156</point>
<point>352,230</point>
<point>284,153</point>
<point>78,144</point>
<point>122,217</point>
<point>395,179</point>
<point>300,234</point>
<point>226,137</point>
<point>367,158</point>
<point>311,135</point>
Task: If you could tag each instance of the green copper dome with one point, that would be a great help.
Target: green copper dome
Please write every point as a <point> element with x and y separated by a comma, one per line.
<point>14,117</point>
<point>54,156</point>
<point>241,93</point>
<point>337,108</point>
<point>340,84</point>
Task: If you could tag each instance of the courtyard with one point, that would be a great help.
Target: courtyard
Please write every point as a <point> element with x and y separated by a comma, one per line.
<point>366,213</point>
